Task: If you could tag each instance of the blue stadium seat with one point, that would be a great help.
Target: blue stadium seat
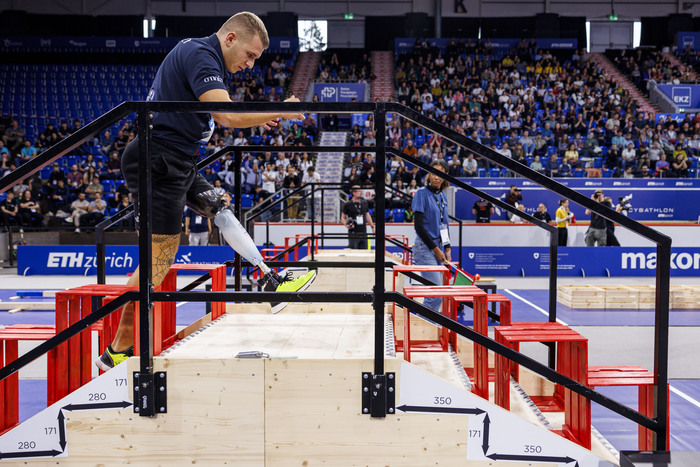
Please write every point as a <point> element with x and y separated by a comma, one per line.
<point>598,162</point>
<point>481,172</point>
<point>579,173</point>
<point>494,173</point>
<point>398,214</point>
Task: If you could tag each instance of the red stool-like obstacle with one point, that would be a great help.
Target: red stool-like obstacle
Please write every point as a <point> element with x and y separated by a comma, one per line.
<point>402,268</point>
<point>572,361</point>
<point>632,376</point>
<point>9,387</point>
<point>446,292</point>
<point>480,375</point>
<point>167,324</point>
<point>73,366</point>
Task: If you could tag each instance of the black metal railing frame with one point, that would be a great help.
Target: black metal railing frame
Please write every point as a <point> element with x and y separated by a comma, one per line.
<point>379,296</point>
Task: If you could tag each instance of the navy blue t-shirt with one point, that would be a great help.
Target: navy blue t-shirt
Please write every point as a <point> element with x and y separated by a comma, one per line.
<point>193,67</point>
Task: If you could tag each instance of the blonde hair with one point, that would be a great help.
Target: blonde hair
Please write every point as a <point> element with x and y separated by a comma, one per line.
<point>247,25</point>
<point>442,164</point>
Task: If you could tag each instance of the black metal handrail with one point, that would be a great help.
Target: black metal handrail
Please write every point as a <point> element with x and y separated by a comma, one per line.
<point>379,295</point>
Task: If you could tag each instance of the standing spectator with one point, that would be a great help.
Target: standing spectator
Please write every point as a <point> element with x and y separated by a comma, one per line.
<point>291,182</point>
<point>563,217</point>
<point>9,212</point>
<point>197,228</point>
<point>253,178</point>
<point>29,210</point>
<point>483,210</point>
<point>432,244</point>
<point>311,176</point>
<point>268,178</point>
<point>355,216</point>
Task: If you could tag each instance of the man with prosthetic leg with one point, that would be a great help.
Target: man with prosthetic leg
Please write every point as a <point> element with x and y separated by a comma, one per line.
<point>195,70</point>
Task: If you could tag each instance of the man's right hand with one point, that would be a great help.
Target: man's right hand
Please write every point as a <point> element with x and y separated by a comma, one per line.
<point>439,254</point>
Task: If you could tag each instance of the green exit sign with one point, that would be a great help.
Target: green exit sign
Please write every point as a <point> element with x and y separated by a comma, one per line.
<point>612,17</point>
<point>349,16</point>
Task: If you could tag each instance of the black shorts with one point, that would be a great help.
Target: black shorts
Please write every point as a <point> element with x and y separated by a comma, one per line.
<point>174,179</point>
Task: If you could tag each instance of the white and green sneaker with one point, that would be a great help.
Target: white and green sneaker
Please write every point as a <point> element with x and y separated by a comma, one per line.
<point>273,282</point>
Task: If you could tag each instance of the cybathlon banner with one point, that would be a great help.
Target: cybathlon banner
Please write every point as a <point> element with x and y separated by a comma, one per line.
<point>667,199</point>
<point>340,92</point>
<point>119,259</point>
<point>576,261</point>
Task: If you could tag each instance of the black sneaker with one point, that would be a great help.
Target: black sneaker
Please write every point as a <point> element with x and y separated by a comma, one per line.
<point>273,282</point>
<point>109,359</point>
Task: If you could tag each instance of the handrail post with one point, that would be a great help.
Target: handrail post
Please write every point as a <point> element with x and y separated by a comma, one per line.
<point>553,271</point>
<point>461,225</point>
<point>323,219</point>
<point>663,278</point>
<point>312,203</point>
<point>100,244</point>
<point>237,193</point>
<point>379,242</point>
<point>146,404</point>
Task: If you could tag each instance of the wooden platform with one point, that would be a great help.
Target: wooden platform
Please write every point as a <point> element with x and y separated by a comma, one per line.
<point>635,297</point>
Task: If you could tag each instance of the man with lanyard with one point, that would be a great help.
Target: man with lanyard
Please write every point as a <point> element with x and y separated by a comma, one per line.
<point>355,217</point>
<point>432,245</point>
<point>196,70</point>
<point>197,228</point>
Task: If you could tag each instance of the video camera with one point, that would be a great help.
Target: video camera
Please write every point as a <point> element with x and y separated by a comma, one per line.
<point>624,201</point>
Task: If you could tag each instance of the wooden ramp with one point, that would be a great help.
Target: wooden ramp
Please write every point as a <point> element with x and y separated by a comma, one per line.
<point>300,405</point>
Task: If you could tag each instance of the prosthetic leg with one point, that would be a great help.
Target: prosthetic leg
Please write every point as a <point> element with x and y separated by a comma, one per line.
<point>210,205</point>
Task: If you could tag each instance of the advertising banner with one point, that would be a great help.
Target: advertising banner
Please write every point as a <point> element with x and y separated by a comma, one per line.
<point>340,92</point>
<point>119,259</point>
<point>651,199</point>
<point>688,38</point>
<point>683,95</point>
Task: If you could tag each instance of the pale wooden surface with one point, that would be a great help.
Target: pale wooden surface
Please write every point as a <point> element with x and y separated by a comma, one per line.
<point>285,335</point>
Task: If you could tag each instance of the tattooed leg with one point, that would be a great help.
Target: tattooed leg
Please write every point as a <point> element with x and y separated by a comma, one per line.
<point>164,250</point>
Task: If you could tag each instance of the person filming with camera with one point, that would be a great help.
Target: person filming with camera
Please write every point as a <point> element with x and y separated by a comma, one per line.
<point>597,232</point>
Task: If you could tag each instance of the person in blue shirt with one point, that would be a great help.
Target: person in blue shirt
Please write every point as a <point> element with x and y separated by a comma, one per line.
<point>196,70</point>
<point>432,244</point>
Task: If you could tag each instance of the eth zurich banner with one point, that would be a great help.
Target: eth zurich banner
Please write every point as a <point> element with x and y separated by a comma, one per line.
<point>683,95</point>
<point>576,261</point>
<point>340,92</point>
<point>119,259</point>
<point>667,199</point>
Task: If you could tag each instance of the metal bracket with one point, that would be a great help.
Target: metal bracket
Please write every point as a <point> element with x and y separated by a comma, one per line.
<point>378,394</point>
<point>150,393</point>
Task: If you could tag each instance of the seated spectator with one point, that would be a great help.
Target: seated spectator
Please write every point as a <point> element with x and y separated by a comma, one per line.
<point>95,212</point>
<point>679,166</point>
<point>628,172</point>
<point>629,154</point>
<point>78,207</point>
<point>662,166</point>
<point>571,155</point>
<point>645,172</point>
<point>536,165</point>
<point>27,152</point>
<point>9,212</point>
<point>14,136</point>
<point>564,169</point>
<point>469,166</point>
<point>94,187</point>
<point>542,213</point>
<point>30,211</point>
<point>114,166</point>
<point>59,198</point>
